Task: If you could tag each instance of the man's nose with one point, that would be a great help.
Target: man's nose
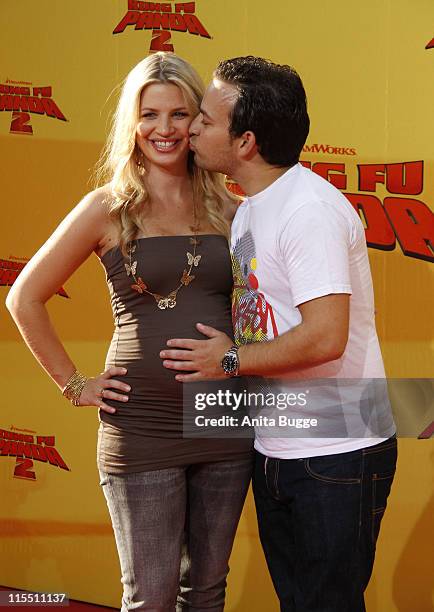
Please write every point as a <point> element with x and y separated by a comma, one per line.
<point>194,126</point>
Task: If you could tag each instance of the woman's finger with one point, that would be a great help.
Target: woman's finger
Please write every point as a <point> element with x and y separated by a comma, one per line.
<point>105,407</point>
<point>114,371</point>
<point>116,384</point>
<point>90,399</point>
<point>99,388</point>
<point>107,394</point>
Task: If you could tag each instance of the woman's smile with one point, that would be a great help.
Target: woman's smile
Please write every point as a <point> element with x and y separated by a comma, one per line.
<point>164,146</point>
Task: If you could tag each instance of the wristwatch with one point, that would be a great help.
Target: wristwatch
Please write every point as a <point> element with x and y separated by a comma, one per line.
<point>230,362</point>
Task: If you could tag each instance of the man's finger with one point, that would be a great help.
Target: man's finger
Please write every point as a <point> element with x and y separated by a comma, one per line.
<point>208,331</point>
<point>190,377</point>
<point>183,366</point>
<point>185,343</point>
<point>176,354</point>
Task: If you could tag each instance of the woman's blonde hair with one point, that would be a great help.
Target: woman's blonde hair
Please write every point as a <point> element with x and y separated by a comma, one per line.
<point>118,163</point>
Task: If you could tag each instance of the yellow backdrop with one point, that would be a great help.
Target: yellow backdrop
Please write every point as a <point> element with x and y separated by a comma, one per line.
<point>368,71</point>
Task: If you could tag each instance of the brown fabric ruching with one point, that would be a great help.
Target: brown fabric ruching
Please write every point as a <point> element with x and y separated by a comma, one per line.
<point>145,433</point>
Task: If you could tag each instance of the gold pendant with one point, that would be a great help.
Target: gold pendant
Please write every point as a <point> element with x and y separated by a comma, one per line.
<point>169,301</point>
<point>166,302</point>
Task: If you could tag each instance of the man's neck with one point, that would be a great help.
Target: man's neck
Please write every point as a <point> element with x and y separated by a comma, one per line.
<point>254,178</point>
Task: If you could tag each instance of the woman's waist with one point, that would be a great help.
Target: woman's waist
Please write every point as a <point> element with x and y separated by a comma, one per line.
<point>160,310</point>
<point>138,346</point>
<point>144,328</point>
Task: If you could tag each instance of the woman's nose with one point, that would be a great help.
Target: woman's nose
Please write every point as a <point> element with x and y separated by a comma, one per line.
<point>165,127</point>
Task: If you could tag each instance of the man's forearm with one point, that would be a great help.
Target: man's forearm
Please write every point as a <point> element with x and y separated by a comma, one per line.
<point>320,337</point>
<point>294,350</point>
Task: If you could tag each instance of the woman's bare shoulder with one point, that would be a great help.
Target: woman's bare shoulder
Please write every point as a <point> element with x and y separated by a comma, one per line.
<point>100,200</point>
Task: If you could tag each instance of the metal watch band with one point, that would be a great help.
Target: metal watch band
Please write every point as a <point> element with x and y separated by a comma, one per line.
<point>230,362</point>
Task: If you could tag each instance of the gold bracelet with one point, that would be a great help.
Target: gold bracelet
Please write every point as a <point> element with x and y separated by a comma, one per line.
<point>74,387</point>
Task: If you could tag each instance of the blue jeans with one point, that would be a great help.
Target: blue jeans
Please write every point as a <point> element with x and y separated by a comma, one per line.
<point>174,531</point>
<point>319,520</point>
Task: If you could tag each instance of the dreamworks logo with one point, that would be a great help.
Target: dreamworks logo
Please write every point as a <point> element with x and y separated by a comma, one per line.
<point>329,149</point>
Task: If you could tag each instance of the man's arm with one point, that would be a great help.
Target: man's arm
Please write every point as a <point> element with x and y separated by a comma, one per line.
<point>314,250</point>
<point>320,337</point>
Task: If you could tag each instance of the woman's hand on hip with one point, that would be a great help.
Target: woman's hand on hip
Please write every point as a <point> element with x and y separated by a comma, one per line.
<point>104,387</point>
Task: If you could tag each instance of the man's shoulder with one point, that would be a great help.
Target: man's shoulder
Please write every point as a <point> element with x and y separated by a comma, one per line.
<point>299,199</point>
<point>313,187</point>
<point>301,188</point>
<point>313,196</point>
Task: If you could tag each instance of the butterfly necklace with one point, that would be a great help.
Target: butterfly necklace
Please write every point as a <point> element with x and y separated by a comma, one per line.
<point>169,300</point>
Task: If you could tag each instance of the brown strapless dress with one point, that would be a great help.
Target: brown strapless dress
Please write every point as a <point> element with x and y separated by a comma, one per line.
<point>146,432</point>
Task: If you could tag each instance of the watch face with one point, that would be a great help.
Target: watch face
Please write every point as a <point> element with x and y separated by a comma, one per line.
<point>230,363</point>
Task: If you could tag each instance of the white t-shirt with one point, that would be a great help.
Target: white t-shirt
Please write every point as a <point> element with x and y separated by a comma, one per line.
<point>297,240</point>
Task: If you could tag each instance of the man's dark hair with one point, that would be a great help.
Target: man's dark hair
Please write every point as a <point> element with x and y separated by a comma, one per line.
<point>271,104</point>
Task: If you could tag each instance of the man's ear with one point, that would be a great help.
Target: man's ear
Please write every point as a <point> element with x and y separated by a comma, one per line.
<point>247,147</point>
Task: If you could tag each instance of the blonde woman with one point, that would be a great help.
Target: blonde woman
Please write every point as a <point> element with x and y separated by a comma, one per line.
<point>159,225</point>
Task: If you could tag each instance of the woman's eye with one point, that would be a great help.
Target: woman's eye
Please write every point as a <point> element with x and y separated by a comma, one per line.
<point>148,115</point>
<point>180,114</point>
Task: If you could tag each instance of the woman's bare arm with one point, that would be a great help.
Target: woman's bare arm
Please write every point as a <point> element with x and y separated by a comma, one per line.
<point>82,231</point>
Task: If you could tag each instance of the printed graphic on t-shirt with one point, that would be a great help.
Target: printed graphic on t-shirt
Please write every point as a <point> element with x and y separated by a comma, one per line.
<point>252,316</point>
